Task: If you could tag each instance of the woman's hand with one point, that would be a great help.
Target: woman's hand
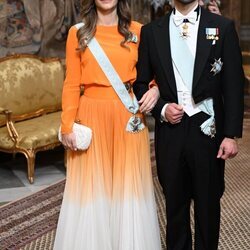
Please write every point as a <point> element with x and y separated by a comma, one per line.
<point>149,99</point>
<point>69,141</point>
<point>213,7</point>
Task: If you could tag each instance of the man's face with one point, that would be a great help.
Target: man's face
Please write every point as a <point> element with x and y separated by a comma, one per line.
<point>185,1</point>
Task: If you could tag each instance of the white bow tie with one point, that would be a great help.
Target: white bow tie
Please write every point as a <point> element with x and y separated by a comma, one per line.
<point>178,19</point>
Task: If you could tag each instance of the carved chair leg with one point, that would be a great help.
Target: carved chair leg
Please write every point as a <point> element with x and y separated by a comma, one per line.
<point>31,165</point>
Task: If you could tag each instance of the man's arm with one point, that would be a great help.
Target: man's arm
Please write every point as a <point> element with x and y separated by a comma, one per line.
<point>233,93</point>
<point>145,72</point>
<point>232,84</point>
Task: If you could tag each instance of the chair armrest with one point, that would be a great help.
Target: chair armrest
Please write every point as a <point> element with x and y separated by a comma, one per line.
<point>10,124</point>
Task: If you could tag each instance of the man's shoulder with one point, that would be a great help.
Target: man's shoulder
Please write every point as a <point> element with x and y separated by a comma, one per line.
<point>218,19</point>
<point>156,23</point>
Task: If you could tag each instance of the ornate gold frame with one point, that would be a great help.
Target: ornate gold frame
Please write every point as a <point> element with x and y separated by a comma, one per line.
<point>43,59</point>
<point>30,154</point>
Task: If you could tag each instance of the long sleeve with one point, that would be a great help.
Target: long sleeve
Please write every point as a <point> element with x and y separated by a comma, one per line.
<point>144,71</point>
<point>233,84</point>
<point>145,74</point>
<point>71,88</point>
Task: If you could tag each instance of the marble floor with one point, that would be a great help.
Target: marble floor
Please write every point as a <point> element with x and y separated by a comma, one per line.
<point>14,184</point>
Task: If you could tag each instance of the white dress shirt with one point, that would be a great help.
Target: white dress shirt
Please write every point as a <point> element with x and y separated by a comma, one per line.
<point>191,41</point>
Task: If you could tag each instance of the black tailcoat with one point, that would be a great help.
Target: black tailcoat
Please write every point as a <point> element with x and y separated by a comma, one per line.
<point>187,161</point>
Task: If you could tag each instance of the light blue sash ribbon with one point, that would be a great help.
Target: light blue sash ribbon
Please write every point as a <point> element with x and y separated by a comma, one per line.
<point>135,123</point>
<point>182,56</point>
<point>184,61</point>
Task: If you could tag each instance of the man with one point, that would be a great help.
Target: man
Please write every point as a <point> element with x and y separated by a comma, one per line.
<point>211,5</point>
<point>195,59</point>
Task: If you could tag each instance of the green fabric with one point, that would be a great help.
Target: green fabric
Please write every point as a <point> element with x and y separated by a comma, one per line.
<point>33,133</point>
<point>28,85</point>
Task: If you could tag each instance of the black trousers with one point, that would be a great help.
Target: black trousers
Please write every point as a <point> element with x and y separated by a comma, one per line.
<point>189,169</point>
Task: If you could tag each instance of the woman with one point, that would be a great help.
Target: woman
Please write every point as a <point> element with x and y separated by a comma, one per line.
<point>109,200</point>
<point>212,6</point>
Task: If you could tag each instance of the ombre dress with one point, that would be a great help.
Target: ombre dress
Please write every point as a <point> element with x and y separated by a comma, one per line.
<point>109,201</point>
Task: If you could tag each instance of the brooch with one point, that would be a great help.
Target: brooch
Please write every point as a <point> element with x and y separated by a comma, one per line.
<point>216,66</point>
<point>134,38</point>
<point>135,124</point>
<point>185,32</point>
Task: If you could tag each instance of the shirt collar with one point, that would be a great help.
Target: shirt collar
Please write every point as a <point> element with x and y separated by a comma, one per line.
<point>196,8</point>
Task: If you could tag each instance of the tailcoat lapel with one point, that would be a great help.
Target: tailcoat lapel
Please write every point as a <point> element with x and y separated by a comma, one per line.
<point>203,45</point>
<point>162,40</point>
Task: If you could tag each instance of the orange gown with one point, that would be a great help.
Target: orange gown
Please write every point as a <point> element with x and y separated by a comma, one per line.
<point>109,201</point>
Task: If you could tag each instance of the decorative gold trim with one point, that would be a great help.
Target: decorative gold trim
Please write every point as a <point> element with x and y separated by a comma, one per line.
<point>40,111</point>
<point>10,126</point>
<point>42,59</point>
<point>30,155</point>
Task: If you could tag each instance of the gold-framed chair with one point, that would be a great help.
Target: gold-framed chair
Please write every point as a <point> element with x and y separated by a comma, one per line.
<point>30,105</point>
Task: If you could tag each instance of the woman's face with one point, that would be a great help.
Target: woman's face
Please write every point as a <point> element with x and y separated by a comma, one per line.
<point>106,5</point>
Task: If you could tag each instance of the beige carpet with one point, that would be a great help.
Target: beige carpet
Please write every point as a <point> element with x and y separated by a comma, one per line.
<point>30,223</point>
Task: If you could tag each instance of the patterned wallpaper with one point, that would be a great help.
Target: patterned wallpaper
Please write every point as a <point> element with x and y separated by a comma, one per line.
<point>40,26</point>
<point>36,26</point>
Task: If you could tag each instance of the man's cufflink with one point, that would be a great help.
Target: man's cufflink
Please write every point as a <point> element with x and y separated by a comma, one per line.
<point>163,119</point>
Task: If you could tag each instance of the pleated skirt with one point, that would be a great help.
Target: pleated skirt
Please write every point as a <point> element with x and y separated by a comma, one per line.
<point>108,201</point>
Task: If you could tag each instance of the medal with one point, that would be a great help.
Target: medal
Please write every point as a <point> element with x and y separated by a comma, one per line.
<point>135,124</point>
<point>134,38</point>
<point>212,130</point>
<point>184,33</point>
<point>216,66</point>
<point>208,127</point>
<point>212,34</point>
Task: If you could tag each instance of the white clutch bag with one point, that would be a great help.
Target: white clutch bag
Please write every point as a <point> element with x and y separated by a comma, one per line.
<point>83,136</point>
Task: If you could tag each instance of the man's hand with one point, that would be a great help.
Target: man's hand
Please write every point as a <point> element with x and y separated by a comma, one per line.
<point>149,99</point>
<point>174,113</point>
<point>69,141</point>
<point>228,149</point>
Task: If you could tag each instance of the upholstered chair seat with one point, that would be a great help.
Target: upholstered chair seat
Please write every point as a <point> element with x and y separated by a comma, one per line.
<point>33,133</point>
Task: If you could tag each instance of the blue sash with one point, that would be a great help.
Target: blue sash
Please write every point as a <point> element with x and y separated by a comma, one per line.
<point>184,61</point>
<point>135,123</point>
